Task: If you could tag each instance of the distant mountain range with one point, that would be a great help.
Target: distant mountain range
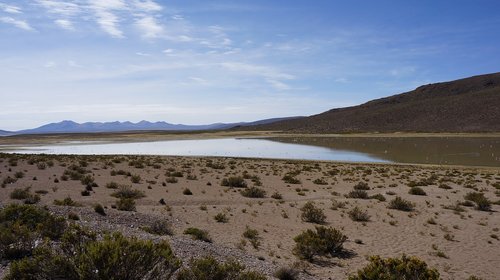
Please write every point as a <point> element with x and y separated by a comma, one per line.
<point>95,127</point>
<point>466,105</point>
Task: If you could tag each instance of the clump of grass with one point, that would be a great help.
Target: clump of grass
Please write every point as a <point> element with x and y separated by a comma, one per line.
<point>337,204</point>
<point>128,192</point>
<point>253,192</point>
<point>198,234</point>
<point>417,191</point>
<point>99,209</point>
<point>359,194</point>
<point>320,181</point>
<point>401,204</point>
<point>362,186</point>
<point>312,214</point>
<point>66,202</point>
<point>125,204</point>
<point>221,218</point>
<point>277,195</point>
<point>358,215</point>
<point>482,203</point>
<point>159,227</point>
<point>286,273</point>
<point>290,179</point>
<point>253,236</point>
<point>234,182</point>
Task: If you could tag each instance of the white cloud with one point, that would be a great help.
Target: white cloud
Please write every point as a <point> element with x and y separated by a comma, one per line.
<point>109,23</point>
<point>149,27</point>
<point>10,9</point>
<point>147,6</point>
<point>17,23</point>
<point>64,8</point>
<point>257,70</point>
<point>108,4</point>
<point>142,54</point>
<point>278,85</point>
<point>65,24</point>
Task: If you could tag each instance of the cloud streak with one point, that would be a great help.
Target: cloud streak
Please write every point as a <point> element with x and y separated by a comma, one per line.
<point>21,24</point>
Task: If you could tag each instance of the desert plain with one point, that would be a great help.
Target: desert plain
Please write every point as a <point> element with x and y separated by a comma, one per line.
<point>230,197</point>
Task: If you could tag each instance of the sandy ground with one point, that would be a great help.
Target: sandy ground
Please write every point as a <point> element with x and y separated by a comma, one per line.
<point>458,244</point>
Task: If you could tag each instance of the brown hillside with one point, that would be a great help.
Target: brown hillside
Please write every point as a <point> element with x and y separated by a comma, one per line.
<point>466,105</point>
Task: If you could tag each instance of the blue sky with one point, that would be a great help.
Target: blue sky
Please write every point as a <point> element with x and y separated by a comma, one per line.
<point>198,62</point>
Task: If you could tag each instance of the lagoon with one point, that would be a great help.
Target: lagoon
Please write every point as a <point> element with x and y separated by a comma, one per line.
<point>468,151</point>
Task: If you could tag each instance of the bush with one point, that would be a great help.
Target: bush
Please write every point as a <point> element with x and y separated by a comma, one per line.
<point>22,225</point>
<point>358,215</point>
<point>362,186</point>
<point>198,234</point>
<point>277,195</point>
<point>112,185</point>
<point>416,191</point>
<point>253,192</point>
<point>323,241</point>
<point>125,204</point>
<point>128,192</point>
<point>289,179</point>
<point>320,181</point>
<point>115,257</point>
<point>99,209</point>
<point>378,197</point>
<point>66,202</point>
<point>160,227</point>
<point>286,273</point>
<point>393,268</point>
<point>234,182</point>
<point>187,191</point>
<point>136,179</point>
<point>253,236</point>
<point>312,214</point>
<point>358,194</point>
<point>482,203</point>
<point>400,204</point>
<point>221,218</point>
<point>209,268</point>
<point>20,193</point>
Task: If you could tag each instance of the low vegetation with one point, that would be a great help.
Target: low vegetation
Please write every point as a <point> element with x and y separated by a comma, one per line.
<point>396,268</point>
<point>322,241</point>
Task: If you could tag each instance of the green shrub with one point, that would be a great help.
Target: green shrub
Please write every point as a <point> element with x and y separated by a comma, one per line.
<point>160,227</point>
<point>115,257</point>
<point>286,273</point>
<point>112,185</point>
<point>253,192</point>
<point>198,234</point>
<point>378,197</point>
<point>323,241</point>
<point>99,209</point>
<point>400,204</point>
<point>253,236</point>
<point>66,202</point>
<point>20,194</point>
<point>125,204</point>
<point>277,195</point>
<point>22,225</point>
<point>290,179</point>
<point>358,194</point>
<point>394,268</point>
<point>482,203</point>
<point>362,186</point>
<point>312,214</point>
<point>358,215</point>
<point>221,218</point>
<point>128,192</point>
<point>209,268</point>
<point>416,191</point>
<point>234,182</point>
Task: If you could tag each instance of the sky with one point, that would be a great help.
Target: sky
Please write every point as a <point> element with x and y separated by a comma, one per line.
<point>200,62</point>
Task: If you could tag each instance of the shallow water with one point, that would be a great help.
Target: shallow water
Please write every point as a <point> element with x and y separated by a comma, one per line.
<point>472,151</point>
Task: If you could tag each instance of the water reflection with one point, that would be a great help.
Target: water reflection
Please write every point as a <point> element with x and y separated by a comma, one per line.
<point>472,151</point>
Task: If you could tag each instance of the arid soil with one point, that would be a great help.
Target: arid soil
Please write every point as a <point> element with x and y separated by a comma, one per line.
<point>445,231</point>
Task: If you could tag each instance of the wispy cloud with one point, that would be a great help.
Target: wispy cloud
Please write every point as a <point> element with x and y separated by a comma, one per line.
<point>65,24</point>
<point>150,27</point>
<point>63,8</point>
<point>11,9</point>
<point>109,23</point>
<point>17,23</point>
<point>147,6</point>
